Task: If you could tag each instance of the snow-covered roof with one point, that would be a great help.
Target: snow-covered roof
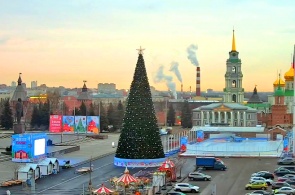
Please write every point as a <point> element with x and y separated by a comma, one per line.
<point>257,129</point>
<point>45,162</point>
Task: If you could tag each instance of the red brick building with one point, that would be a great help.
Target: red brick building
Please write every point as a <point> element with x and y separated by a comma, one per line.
<point>278,115</point>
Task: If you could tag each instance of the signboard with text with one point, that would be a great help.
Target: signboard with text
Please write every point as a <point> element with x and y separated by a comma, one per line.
<point>28,147</point>
<point>55,123</point>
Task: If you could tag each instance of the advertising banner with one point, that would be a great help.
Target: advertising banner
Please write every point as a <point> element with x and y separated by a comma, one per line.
<point>200,136</point>
<point>183,143</point>
<point>68,124</point>
<point>29,147</point>
<point>55,123</point>
<point>286,143</point>
<point>93,124</point>
<point>80,124</point>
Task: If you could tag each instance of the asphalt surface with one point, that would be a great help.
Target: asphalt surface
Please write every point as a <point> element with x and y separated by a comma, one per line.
<point>230,182</point>
<point>233,181</point>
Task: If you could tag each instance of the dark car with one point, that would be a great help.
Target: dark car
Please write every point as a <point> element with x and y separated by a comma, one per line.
<point>283,172</point>
<point>286,161</point>
<point>291,181</point>
<point>291,168</point>
<point>277,185</point>
<point>264,174</point>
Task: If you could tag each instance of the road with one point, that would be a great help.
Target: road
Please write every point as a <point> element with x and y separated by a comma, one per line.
<point>230,182</point>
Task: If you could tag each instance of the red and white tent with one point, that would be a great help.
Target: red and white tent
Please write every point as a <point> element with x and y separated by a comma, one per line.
<point>126,178</point>
<point>168,164</point>
<point>102,190</point>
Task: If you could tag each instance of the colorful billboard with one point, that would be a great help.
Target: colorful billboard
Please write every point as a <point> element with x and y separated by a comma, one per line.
<point>55,123</point>
<point>29,147</point>
<point>68,124</point>
<point>93,124</point>
<point>80,124</point>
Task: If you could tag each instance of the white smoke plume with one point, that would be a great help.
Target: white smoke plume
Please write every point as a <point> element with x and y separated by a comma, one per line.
<point>161,77</point>
<point>174,68</point>
<point>191,54</point>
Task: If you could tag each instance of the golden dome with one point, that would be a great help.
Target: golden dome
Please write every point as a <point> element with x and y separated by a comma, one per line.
<point>289,76</point>
<point>276,83</point>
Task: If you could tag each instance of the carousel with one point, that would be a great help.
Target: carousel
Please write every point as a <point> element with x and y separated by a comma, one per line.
<point>169,168</point>
<point>128,183</point>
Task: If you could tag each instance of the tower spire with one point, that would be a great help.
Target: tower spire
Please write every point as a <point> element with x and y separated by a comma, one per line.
<point>293,63</point>
<point>233,48</point>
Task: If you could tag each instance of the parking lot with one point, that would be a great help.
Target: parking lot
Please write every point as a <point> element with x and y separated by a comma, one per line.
<point>233,181</point>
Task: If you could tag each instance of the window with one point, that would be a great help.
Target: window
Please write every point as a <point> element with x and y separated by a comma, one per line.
<point>248,116</point>
<point>233,69</point>
<point>234,83</point>
<point>234,98</point>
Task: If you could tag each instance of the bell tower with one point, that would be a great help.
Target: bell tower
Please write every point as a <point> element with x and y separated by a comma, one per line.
<point>233,91</point>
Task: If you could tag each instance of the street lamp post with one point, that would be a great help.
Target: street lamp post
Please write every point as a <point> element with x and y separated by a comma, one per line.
<point>166,105</point>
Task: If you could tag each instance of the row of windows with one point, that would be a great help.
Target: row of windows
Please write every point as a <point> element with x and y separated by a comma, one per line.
<point>236,124</point>
<point>222,115</point>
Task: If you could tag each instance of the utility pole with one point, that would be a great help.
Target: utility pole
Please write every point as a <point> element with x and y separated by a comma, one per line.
<point>90,179</point>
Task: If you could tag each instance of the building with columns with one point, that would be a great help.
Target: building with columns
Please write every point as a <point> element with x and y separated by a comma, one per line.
<point>233,91</point>
<point>225,114</point>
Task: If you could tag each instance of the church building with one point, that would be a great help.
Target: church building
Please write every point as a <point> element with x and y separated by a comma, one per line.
<point>231,112</point>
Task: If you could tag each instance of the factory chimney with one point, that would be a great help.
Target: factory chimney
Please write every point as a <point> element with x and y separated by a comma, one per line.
<point>198,82</point>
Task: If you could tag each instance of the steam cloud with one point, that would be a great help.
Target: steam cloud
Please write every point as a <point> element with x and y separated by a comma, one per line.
<point>161,77</point>
<point>174,68</point>
<point>191,54</point>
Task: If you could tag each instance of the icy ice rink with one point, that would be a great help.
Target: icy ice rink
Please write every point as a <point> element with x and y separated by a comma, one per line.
<point>226,147</point>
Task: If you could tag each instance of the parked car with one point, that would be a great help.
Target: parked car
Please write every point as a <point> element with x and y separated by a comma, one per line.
<point>291,181</point>
<point>291,168</point>
<point>286,155</point>
<point>259,192</point>
<point>286,177</point>
<point>284,190</point>
<point>199,176</point>
<point>186,187</point>
<point>262,179</point>
<point>176,193</point>
<point>277,185</point>
<point>286,161</point>
<point>283,172</point>
<point>264,174</point>
<point>256,185</point>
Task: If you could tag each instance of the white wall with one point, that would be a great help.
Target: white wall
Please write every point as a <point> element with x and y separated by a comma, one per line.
<point>222,135</point>
<point>22,176</point>
<point>263,136</point>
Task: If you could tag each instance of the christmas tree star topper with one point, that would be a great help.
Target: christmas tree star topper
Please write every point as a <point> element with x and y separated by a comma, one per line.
<point>140,50</point>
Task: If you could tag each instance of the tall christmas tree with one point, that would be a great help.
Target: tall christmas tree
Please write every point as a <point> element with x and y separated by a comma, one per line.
<point>140,138</point>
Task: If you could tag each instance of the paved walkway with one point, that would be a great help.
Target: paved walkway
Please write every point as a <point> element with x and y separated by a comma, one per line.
<point>95,148</point>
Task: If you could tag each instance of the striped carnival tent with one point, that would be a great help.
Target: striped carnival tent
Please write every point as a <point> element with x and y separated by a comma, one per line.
<point>169,167</point>
<point>126,178</point>
<point>102,190</point>
<point>168,164</point>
